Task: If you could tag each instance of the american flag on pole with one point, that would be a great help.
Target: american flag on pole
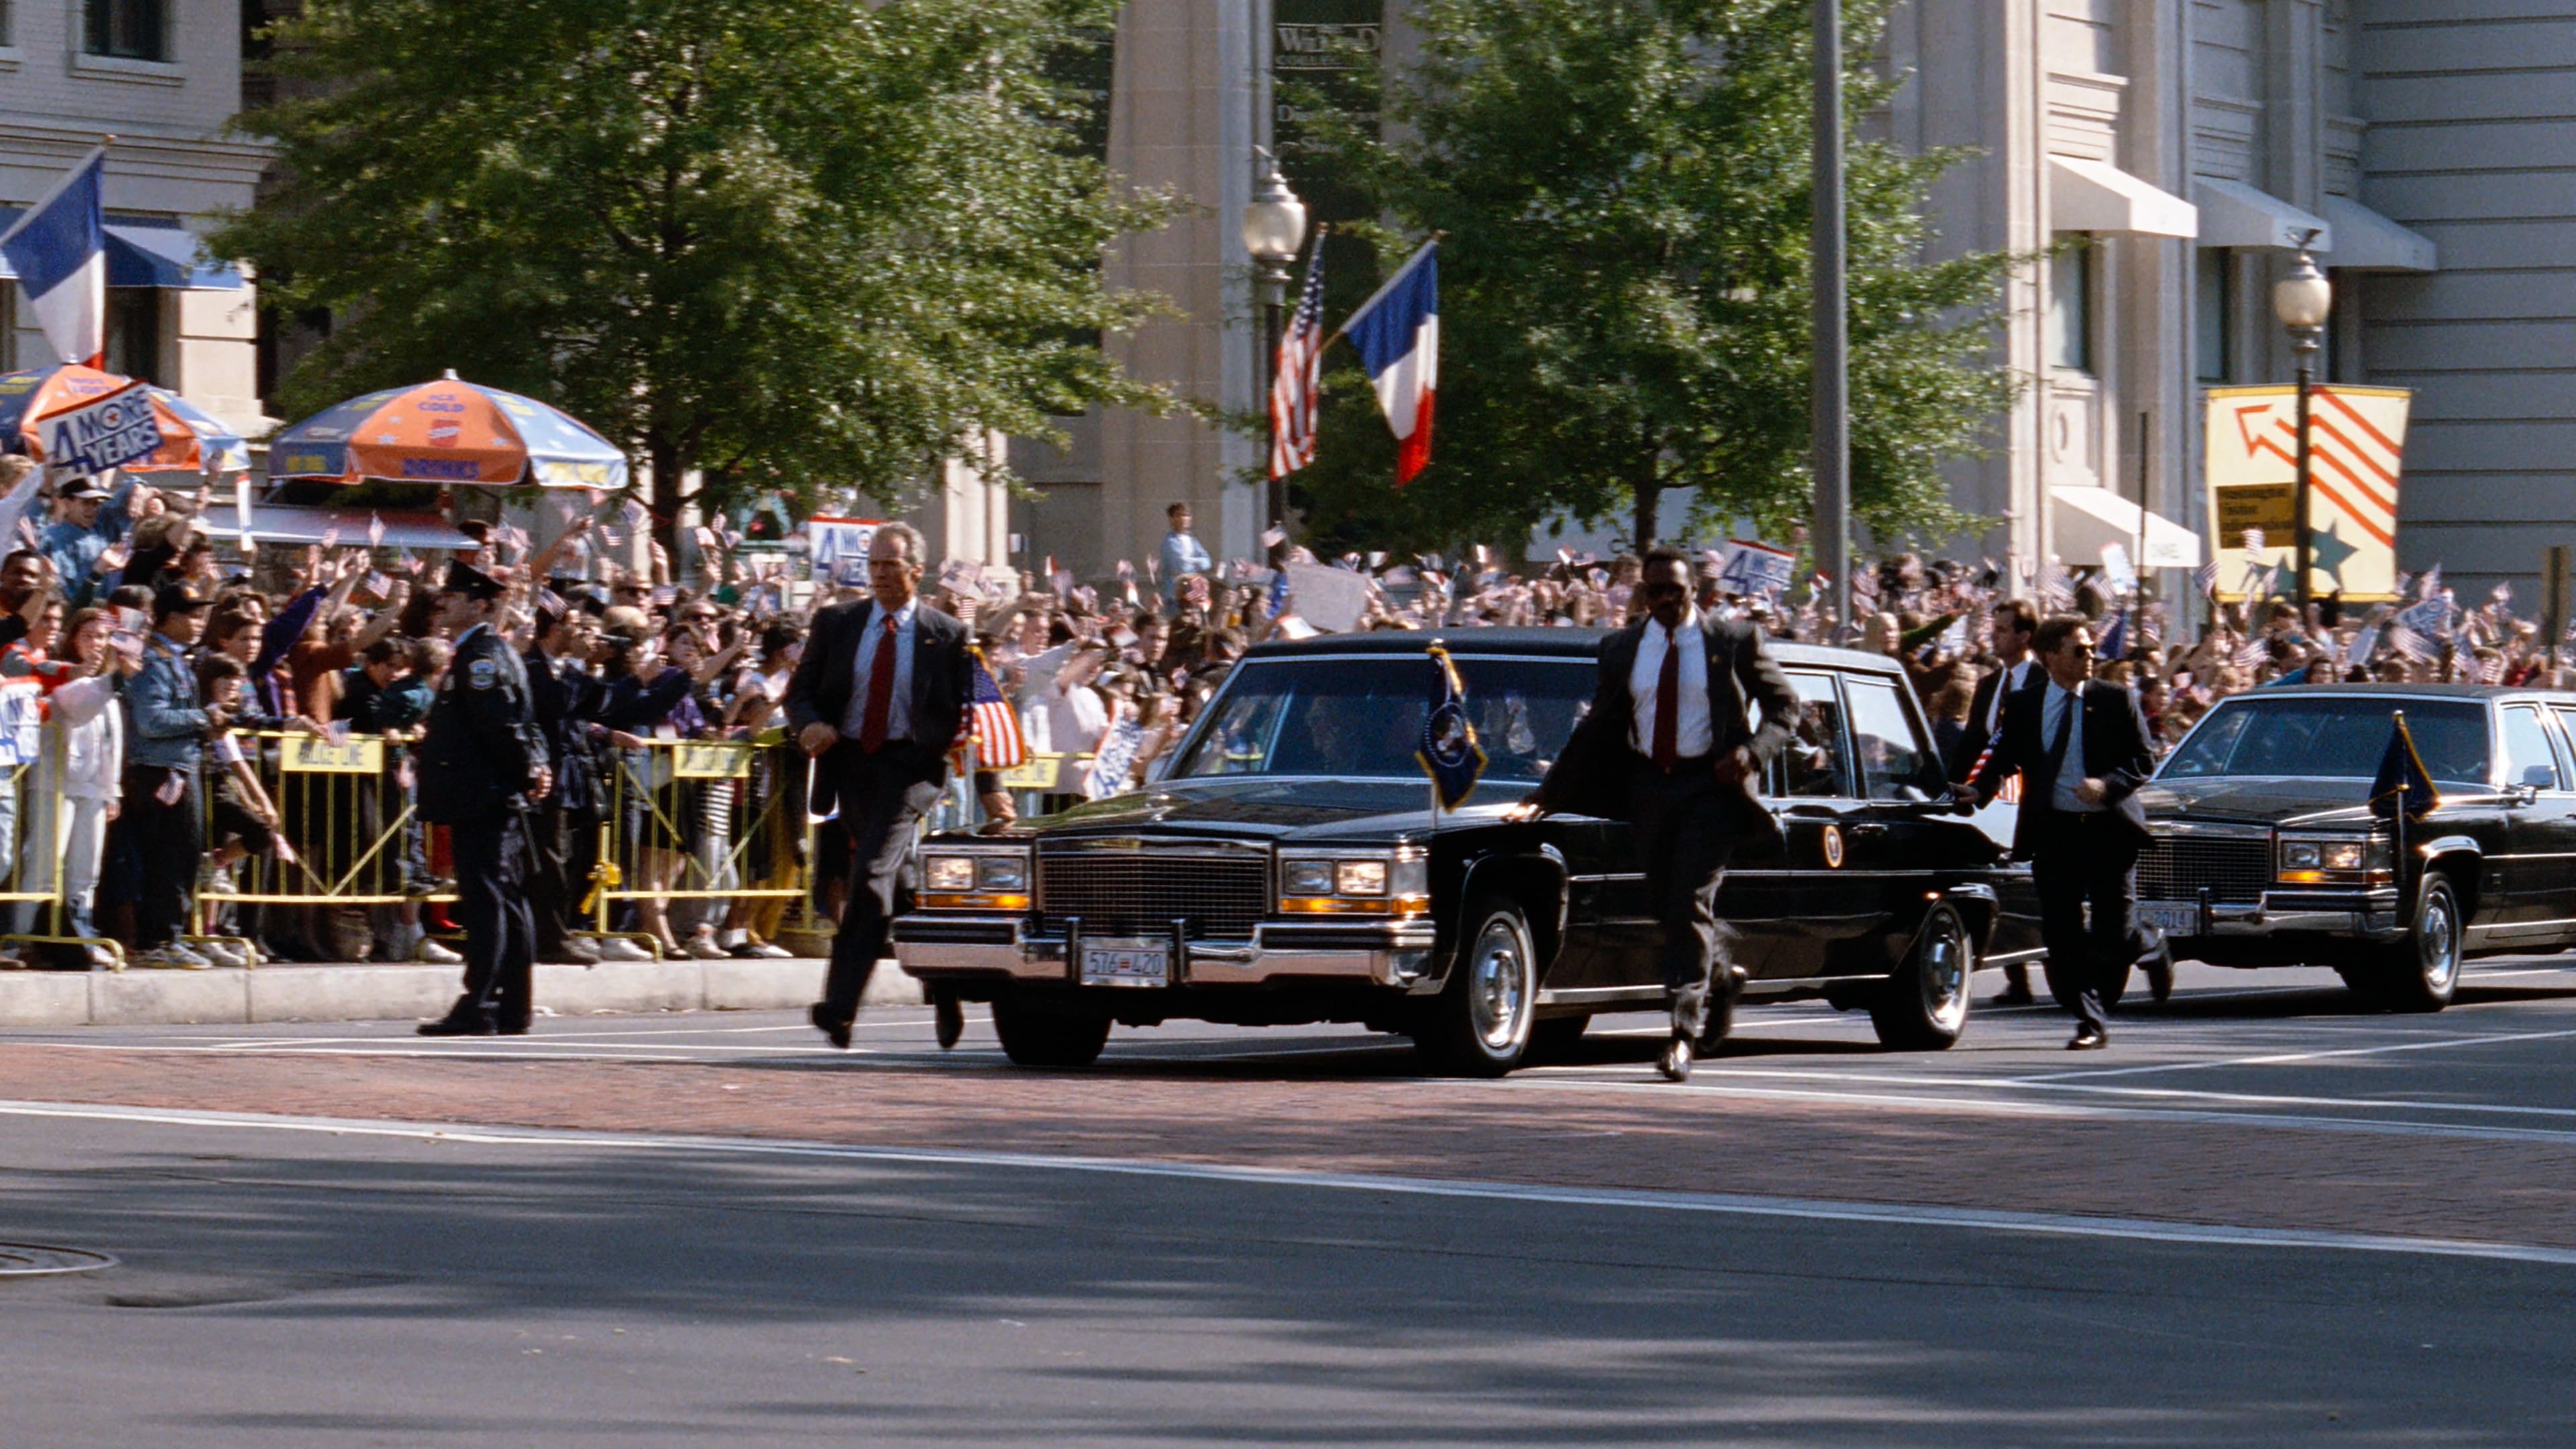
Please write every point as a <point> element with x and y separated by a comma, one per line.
<point>1299,375</point>
<point>992,722</point>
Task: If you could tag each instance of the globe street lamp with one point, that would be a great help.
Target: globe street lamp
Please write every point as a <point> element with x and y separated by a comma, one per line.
<point>1274,227</point>
<point>2303,300</point>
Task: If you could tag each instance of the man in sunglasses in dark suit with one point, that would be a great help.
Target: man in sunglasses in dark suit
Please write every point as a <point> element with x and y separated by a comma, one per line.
<point>1669,747</point>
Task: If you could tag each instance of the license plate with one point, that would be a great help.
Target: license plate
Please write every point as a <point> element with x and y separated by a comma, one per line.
<point>2171,918</point>
<point>1126,963</point>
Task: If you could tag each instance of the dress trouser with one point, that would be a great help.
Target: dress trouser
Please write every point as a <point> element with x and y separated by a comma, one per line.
<point>171,842</point>
<point>552,896</point>
<point>2076,859</point>
<point>492,905</point>
<point>882,797</point>
<point>1684,836</point>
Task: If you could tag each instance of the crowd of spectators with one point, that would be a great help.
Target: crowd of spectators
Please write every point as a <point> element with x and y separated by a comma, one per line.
<point>150,682</point>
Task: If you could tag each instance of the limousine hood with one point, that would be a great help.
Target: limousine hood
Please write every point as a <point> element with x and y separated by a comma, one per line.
<point>2259,799</point>
<point>1256,808</point>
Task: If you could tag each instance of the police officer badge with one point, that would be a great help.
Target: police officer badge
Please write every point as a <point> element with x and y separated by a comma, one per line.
<point>483,673</point>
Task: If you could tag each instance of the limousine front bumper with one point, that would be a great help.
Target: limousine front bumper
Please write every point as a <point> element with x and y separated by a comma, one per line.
<point>966,948</point>
<point>2352,914</point>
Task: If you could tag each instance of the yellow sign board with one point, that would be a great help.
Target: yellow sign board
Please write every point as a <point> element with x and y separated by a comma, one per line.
<point>1039,773</point>
<point>315,755</point>
<point>2356,449</point>
<point>710,762</point>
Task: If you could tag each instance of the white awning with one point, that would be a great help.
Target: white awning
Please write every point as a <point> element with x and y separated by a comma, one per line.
<point>2096,196</point>
<point>2084,519</point>
<point>2370,242</point>
<point>2233,214</point>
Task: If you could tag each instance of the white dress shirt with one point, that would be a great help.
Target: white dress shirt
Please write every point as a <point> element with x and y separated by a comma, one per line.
<point>2070,771</point>
<point>1693,733</point>
<point>899,703</point>
<point>2015,676</point>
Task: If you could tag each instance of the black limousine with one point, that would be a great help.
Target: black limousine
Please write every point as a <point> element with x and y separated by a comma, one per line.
<point>2267,854</point>
<point>1287,866</point>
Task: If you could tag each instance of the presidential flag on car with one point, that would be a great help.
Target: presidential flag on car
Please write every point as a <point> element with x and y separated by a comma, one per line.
<point>59,251</point>
<point>2404,786</point>
<point>1450,753</point>
<point>992,722</point>
<point>1397,332</point>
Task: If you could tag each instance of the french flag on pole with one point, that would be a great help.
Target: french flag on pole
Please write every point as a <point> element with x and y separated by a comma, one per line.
<point>1397,332</point>
<point>59,250</point>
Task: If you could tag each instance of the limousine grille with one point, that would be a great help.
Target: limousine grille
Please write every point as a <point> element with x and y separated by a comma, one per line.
<point>2235,869</point>
<point>1116,893</point>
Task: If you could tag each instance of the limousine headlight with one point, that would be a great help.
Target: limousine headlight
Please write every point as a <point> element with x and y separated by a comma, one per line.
<point>1374,883</point>
<point>983,879</point>
<point>2333,859</point>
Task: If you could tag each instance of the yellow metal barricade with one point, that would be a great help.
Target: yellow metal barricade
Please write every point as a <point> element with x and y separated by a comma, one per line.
<point>342,810</point>
<point>699,820</point>
<point>36,815</point>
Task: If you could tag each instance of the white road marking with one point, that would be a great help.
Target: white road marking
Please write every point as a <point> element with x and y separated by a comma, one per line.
<point>2279,1058</point>
<point>1909,1215</point>
<point>1994,1107</point>
<point>1893,1079</point>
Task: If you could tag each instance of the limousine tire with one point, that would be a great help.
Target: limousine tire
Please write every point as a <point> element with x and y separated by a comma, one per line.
<point>1039,1034</point>
<point>2421,972</point>
<point>1480,1023</point>
<point>1924,1006</point>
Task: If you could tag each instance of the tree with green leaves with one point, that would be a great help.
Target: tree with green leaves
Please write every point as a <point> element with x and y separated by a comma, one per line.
<point>793,243</point>
<point>1622,188</point>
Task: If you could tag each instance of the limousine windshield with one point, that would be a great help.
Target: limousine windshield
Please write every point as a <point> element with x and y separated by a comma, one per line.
<point>2331,737</point>
<point>1358,717</point>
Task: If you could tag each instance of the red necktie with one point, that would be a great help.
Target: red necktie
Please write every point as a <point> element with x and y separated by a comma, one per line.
<point>1668,706</point>
<point>872,726</point>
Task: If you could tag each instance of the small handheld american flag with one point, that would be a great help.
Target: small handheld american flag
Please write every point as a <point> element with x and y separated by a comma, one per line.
<point>1299,374</point>
<point>993,724</point>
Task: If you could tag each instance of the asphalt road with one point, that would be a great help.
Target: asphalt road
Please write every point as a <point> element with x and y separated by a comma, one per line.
<point>367,1280</point>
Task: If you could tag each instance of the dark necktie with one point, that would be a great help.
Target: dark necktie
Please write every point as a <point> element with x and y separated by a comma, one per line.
<point>1668,705</point>
<point>872,726</point>
<point>2065,732</point>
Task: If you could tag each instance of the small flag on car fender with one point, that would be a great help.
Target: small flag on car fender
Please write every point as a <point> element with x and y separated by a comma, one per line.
<point>2403,782</point>
<point>1450,753</point>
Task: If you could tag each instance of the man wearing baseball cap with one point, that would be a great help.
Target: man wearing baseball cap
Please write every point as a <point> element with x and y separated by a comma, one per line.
<point>166,728</point>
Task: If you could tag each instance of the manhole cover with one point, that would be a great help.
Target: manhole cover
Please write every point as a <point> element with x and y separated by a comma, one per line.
<point>31,1260</point>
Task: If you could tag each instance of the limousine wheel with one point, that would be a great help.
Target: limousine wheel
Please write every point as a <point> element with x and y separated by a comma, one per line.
<point>1036,1034</point>
<point>1479,1025</point>
<point>2421,972</point>
<point>1924,1006</point>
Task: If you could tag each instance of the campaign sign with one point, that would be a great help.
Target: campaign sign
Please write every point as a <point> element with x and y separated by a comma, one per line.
<point>105,432</point>
<point>837,539</point>
<point>1757,568</point>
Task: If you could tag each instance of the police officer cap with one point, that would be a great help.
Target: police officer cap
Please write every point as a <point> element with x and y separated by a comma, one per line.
<point>473,583</point>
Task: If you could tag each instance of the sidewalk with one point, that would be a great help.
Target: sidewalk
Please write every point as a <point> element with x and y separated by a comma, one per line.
<point>395,992</point>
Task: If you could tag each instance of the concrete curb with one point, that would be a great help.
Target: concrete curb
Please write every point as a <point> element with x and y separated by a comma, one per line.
<point>400,992</point>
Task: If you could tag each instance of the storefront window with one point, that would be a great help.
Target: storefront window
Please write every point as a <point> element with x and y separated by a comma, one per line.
<point>2214,313</point>
<point>127,29</point>
<point>134,332</point>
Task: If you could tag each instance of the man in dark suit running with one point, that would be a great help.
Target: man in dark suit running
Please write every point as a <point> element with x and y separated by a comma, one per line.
<point>876,701</point>
<point>1669,748</point>
<point>2080,746</point>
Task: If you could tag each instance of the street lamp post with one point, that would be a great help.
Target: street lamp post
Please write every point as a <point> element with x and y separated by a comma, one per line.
<point>1830,399</point>
<point>1274,227</point>
<point>2303,300</point>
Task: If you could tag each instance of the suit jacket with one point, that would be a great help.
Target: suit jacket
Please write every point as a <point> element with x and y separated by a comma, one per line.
<point>1973,744</point>
<point>2115,752</point>
<point>943,683</point>
<point>1592,775</point>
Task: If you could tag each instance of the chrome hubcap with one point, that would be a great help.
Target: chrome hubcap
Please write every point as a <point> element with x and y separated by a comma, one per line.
<point>1496,993</point>
<point>2439,941</point>
<point>1945,973</point>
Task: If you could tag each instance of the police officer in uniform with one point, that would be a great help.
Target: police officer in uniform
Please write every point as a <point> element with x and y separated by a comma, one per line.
<point>481,764</point>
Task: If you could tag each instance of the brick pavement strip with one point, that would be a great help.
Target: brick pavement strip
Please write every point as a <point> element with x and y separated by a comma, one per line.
<point>2246,1175</point>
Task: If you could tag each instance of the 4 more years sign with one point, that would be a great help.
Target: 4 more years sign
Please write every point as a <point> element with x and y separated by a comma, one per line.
<point>103,432</point>
<point>2356,449</point>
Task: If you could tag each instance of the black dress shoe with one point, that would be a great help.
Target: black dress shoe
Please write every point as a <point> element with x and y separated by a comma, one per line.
<point>2088,1038</point>
<point>511,1028</point>
<point>2160,969</point>
<point>1675,1063</point>
<point>949,1018</point>
<point>837,1031</point>
<point>473,1024</point>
